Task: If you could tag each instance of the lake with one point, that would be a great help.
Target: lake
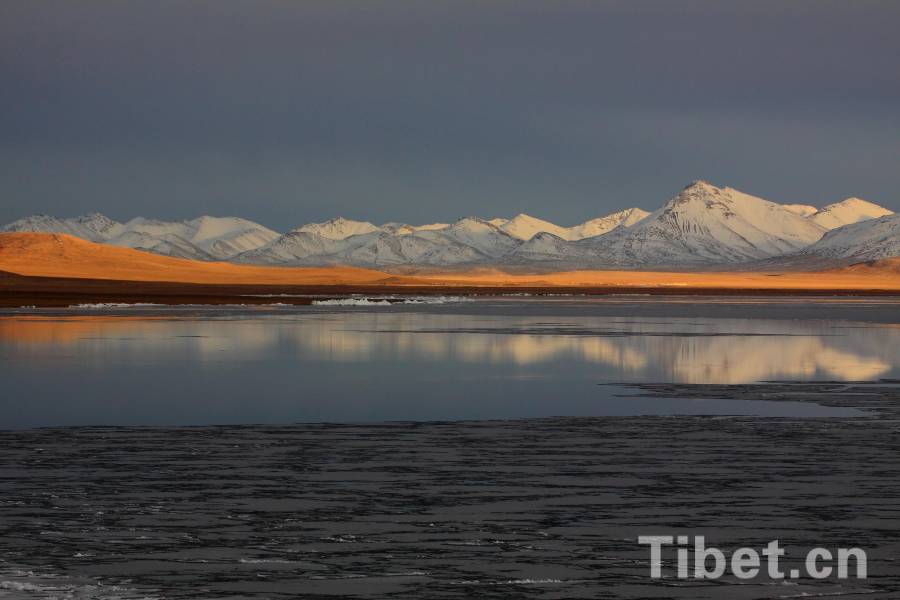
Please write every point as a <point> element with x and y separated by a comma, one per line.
<point>511,447</point>
<point>463,359</point>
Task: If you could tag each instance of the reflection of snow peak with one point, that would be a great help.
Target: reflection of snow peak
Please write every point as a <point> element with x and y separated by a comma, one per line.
<point>635,349</point>
<point>389,301</point>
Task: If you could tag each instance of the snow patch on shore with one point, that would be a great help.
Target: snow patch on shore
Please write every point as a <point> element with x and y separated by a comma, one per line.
<point>102,305</point>
<point>120,305</point>
<point>390,301</point>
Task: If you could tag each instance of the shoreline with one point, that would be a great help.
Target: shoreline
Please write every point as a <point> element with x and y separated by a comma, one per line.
<point>18,291</point>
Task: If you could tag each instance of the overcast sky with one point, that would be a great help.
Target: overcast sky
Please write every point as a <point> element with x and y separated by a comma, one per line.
<point>289,112</point>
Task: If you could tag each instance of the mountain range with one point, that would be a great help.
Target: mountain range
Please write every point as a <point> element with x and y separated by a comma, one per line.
<point>702,226</point>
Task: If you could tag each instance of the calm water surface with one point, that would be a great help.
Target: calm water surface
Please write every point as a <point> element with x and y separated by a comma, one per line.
<point>509,358</point>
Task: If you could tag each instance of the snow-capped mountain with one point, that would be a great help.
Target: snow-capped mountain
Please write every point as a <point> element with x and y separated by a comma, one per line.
<point>701,226</point>
<point>601,225</point>
<point>846,212</point>
<point>469,240</point>
<point>293,247</point>
<point>338,229</point>
<point>546,247</point>
<point>705,224</point>
<point>483,236</point>
<point>205,238</point>
<point>168,244</point>
<point>866,240</point>
<point>222,237</point>
<point>525,227</point>
<point>804,210</point>
<point>94,227</point>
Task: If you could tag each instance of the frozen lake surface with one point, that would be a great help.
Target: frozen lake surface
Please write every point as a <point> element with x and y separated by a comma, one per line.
<point>511,448</point>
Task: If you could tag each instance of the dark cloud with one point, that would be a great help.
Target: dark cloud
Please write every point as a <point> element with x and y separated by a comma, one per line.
<point>287,112</point>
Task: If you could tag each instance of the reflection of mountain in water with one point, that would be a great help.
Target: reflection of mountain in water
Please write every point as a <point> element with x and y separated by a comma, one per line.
<point>681,350</point>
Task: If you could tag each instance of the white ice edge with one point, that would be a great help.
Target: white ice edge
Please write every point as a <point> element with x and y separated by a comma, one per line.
<point>390,301</point>
<point>108,305</point>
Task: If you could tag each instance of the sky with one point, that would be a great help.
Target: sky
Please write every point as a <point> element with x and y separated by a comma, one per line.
<point>429,110</point>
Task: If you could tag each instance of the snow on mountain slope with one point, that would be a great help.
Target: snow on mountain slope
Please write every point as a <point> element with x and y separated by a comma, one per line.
<point>432,226</point>
<point>845,212</point>
<point>236,242</point>
<point>469,240</point>
<point>160,237</point>
<point>97,225</point>
<point>702,225</point>
<point>601,225</point>
<point>404,228</point>
<point>706,224</point>
<point>94,227</point>
<point>294,247</point>
<point>524,227</point>
<point>866,240</point>
<point>339,228</point>
<point>204,238</point>
<point>224,237</point>
<point>207,229</point>
<point>155,227</point>
<point>804,210</point>
<point>390,247</point>
<point>546,247</point>
<point>483,236</point>
<point>167,244</point>
<point>385,249</point>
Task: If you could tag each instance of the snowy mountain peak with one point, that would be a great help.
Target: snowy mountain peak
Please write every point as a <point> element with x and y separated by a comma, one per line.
<point>602,225</point>
<point>858,204</point>
<point>846,212</point>
<point>95,218</point>
<point>698,191</point>
<point>472,223</point>
<point>94,227</point>
<point>703,224</point>
<point>868,239</point>
<point>100,224</point>
<point>339,228</point>
<point>483,236</point>
<point>525,227</point>
<point>700,185</point>
<point>34,221</point>
<point>706,224</point>
<point>207,228</point>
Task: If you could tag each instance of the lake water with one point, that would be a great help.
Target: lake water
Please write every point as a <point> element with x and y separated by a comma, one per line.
<point>504,358</point>
<point>366,499</point>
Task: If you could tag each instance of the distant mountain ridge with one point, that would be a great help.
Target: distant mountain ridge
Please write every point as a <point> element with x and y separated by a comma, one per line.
<point>204,238</point>
<point>703,225</point>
